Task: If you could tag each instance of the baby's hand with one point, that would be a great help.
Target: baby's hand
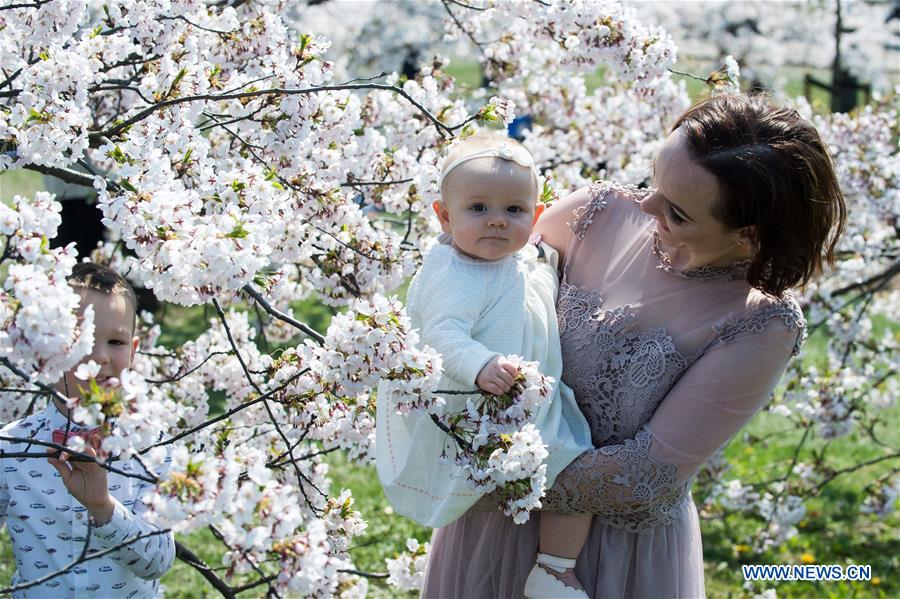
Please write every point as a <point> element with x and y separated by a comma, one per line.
<point>497,376</point>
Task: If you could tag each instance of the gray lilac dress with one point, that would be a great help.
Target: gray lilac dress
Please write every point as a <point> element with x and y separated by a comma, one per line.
<point>666,366</point>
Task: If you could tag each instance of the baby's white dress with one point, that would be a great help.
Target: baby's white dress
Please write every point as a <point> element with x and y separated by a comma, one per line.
<point>470,311</point>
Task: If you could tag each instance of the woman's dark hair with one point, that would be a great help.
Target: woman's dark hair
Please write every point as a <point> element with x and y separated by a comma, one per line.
<point>776,175</point>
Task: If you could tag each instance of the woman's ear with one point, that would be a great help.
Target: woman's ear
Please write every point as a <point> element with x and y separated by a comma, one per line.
<point>443,215</point>
<point>538,210</point>
<point>135,342</point>
<point>746,236</point>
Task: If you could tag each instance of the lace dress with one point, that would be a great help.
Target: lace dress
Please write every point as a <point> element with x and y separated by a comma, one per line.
<point>667,366</point>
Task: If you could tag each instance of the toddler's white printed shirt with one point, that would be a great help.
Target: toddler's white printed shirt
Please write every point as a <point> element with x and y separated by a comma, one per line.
<point>48,527</point>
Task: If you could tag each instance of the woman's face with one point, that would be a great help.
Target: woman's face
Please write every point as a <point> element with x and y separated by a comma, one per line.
<point>682,202</point>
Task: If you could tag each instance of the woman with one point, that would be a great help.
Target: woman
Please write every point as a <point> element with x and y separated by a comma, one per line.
<point>676,324</point>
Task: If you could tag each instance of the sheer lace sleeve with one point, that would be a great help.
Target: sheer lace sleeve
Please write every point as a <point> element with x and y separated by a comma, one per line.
<point>639,484</point>
<point>555,224</point>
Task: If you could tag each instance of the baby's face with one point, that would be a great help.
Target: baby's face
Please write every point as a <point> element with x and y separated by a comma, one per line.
<point>489,207</point>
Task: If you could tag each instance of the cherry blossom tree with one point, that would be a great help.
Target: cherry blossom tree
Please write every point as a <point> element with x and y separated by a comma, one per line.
<point>764,38</point>
<point>235,170</point>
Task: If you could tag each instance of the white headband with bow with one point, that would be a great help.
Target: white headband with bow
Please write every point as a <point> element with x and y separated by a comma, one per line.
<point>505,151</point>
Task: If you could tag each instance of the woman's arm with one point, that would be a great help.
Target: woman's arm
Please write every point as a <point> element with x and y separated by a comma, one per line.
<point>712,401</point>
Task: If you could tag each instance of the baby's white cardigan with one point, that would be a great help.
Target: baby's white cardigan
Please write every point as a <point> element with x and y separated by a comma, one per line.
<point>470,311</point>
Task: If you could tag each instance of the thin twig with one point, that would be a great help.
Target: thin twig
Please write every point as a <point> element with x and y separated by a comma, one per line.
<point>77,456</point>
<point>301,478</point>
<point>855,467</point>
<point>459,440</point>
<point>265,305</point>
<point>375,183</point>
<point>227,414</point>
<point>218,534</point>
<point>691,75</point>
<point>180,375</point>
<point>439,126</point>
<point>46,388</point>
<point>81,559</point>
<point>376,575</point>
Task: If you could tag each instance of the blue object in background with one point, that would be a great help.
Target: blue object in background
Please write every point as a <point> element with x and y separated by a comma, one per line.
<point>520,124</point>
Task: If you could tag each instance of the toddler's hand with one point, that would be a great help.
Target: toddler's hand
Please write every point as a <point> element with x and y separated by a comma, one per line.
<point>86,481</point>
<point>497,376</point>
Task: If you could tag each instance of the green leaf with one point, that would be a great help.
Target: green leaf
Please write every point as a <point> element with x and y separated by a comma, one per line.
<point>126,184</point>
<point>305,40</point>
<point>179,77</point>
<point>118,155</point>
<point>238,232</point>
<point>41,117</point>
<point>264,277</point>
<point>487,114</point>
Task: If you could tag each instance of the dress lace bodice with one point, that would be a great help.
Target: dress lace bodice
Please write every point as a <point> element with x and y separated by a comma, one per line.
<point>666,365</point>
<point>631,369</point>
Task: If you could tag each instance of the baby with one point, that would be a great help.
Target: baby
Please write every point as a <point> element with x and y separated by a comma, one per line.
<point>485,295</point>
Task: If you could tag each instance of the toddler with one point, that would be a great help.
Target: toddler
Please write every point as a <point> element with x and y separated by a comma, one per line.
<point>57,505</point>
<point>482,294</point>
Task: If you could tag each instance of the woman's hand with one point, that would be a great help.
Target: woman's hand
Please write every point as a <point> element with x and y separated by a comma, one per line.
<point>86,481</point>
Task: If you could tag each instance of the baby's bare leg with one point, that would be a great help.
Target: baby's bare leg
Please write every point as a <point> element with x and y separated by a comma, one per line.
<point>564,536</point>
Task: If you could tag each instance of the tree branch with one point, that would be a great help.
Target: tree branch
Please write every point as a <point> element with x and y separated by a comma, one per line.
<point>265,305</point>
<point>81,559</point>
<point>301,478</point>
<point>442,129</point>
<point>192,559</point>
<point>69,175</point>
<point>77,456</point>
<point>45,388</point>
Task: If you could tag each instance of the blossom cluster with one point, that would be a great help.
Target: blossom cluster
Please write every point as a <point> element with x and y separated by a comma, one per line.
<point>778,508</point>
<point>331,390</point>
<point>406,571</point>
<point>540,64</point>
<point>498,447</point>
<point>41,332</point>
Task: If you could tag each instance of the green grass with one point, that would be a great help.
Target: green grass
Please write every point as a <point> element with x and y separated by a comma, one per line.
<point>833,530</point>
<point>18,182</point>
